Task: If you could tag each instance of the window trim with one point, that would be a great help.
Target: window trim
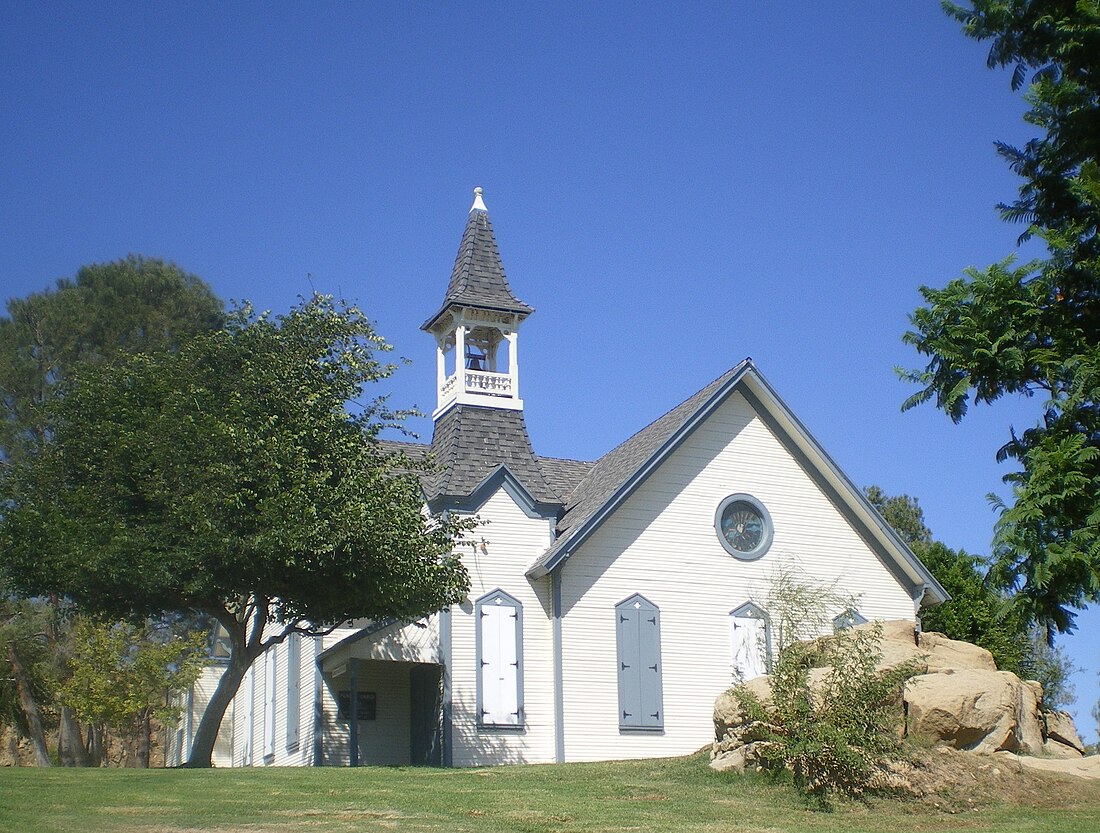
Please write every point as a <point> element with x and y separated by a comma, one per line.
<point>521,716</point>
<point>769,527</point>
<point>632,727</point>
<point>848,618</point>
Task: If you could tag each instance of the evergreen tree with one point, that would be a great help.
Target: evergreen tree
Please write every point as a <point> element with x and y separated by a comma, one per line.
<point>1034,329</point>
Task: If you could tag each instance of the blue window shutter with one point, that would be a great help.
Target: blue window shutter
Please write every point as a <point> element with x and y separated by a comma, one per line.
<point>638,655</point>
<point>649,638</point>
<point>630,706</point>
<point>293,688</point>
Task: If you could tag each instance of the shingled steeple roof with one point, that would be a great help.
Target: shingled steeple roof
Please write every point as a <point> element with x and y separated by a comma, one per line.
<point>470,443</point>
<point>477,279</point>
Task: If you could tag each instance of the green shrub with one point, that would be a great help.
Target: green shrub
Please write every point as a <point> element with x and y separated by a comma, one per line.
<point>832,730</point>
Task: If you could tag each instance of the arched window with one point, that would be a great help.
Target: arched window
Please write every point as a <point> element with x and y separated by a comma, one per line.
<point>499,661</point>
<point>750,642</point>
<point>638,641</point>
<point>849,618</point>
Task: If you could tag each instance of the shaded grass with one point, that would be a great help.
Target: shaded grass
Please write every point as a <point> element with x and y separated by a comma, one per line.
<point>680,794</point>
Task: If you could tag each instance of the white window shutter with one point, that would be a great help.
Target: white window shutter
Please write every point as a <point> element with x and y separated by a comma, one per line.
<point>269,702</point>
<point>293,688</point>
<point>500,698</point>
<point>747,640</point>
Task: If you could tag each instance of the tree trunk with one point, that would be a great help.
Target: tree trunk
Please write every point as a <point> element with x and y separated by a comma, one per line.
<point>202,747</point>
<point>29,707</point>
<point>70,745</point>
<point>143,737</point>
<point>96,750</point>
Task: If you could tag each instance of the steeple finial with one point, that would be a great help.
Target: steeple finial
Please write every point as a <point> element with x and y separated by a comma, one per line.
<point>479,203</point>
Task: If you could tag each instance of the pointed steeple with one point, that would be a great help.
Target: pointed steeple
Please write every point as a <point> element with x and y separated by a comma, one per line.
<point>477,358</point>
<point>480,439</point>
<point>477,278</point>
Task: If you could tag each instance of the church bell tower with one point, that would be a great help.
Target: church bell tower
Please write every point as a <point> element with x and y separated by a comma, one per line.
<point>476,328</point>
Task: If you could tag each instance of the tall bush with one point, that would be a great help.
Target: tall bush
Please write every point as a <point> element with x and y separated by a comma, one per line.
<point>832,722</point>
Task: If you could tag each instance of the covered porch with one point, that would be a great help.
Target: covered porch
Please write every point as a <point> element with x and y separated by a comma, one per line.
<point>385,699</point>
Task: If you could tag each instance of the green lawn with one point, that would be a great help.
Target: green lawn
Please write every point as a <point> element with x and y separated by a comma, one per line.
<point>661,795</point>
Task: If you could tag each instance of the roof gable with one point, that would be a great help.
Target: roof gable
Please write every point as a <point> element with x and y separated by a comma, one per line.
<point>619,472</point>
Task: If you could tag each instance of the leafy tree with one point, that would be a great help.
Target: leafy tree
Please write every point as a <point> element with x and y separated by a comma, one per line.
<point>977,611</point>
<point>230,479</point>
<point>120,674</point>
<point>1034,328</point>
<point>131,305</point>
<point>904,515</point>
<point>29,680</point>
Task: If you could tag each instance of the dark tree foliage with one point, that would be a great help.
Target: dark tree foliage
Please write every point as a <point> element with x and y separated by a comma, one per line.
<point>1034,329</point>
<point>131,305</point>
<point>230,478</point>
<point>976,612</point>
<point>127,306</point>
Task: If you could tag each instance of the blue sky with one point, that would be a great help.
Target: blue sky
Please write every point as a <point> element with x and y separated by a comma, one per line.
<point>673,187</point>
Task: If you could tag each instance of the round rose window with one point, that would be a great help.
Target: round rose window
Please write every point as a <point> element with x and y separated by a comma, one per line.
<point>743,526</point>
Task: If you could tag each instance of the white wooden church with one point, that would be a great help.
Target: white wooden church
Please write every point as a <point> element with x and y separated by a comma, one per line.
<point>610,601</point>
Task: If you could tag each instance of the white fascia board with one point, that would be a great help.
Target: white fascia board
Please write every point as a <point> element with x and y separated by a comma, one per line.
<point>906,561</point>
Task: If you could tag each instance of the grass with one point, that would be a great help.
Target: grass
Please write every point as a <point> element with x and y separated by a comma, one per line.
<point>680,794</point>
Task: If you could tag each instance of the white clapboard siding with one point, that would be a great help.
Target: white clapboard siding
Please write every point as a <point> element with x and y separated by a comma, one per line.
<point>662,544</point>
<point>508,543</point>
<point>401,642</point>
<point>245,722</point>
<point>301,753</point>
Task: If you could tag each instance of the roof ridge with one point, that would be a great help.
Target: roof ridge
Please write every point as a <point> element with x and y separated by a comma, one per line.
<point>565,459</point>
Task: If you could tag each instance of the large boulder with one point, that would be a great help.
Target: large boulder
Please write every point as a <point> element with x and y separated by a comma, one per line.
<point>1058,728</point>
<point>984,711</point>
<point>728,716</point>
<point>959,698</point>
<point>902,643</point>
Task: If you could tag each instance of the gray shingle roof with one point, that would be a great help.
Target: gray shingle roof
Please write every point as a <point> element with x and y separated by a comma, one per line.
<point>477,278</point>
<point>470,442</point>
<point>612,471</point>
<point>413,450</point>
<point>564,475</point>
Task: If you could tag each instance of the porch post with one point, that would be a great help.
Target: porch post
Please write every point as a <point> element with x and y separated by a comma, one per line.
<point>353,715</point>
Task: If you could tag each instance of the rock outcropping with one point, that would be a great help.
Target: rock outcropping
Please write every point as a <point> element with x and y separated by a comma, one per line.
<point>960,700</point>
